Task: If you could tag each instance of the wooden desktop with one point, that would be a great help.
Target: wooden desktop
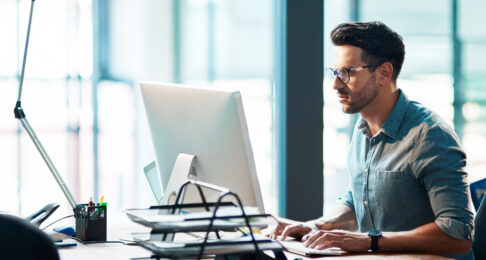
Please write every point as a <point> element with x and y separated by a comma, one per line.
<point>121,251</point>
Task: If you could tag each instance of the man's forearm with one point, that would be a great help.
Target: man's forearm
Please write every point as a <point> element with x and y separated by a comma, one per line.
<point>343,217</point>
<point>428,238</point>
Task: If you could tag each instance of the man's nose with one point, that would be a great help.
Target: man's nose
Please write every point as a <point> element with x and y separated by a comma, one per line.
<point>337,83</point>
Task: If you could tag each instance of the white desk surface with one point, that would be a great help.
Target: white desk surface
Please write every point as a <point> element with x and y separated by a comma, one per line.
<point>114,251</point>
<point>109,250</point>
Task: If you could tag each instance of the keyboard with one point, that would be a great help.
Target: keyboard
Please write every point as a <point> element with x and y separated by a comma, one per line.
<point>299,248</point>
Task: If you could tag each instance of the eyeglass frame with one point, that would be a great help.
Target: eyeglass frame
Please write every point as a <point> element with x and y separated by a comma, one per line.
<point>334,72</point>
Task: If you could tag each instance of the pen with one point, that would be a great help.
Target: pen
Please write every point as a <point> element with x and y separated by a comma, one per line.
<point>102,210</point>
<point>91,210</point>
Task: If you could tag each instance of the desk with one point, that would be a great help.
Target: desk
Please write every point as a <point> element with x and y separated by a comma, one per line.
<point>374,256</point>
<point>109,250</point>
<point>120,251</point>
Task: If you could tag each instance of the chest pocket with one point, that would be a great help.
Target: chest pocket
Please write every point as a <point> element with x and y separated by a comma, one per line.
<point>392,187</point>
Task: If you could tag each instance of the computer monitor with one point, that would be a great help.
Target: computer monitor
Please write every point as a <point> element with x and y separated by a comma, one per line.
<point>209,124</point>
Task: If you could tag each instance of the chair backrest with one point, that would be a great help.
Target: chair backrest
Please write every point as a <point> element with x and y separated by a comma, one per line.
<point>20,239</point>
<point>478,190</point>
<point>479,240</point>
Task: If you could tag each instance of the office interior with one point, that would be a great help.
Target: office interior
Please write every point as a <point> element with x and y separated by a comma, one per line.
<point>87,58</point>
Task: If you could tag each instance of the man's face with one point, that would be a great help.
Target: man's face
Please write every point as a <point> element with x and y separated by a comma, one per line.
<point>361,88</point>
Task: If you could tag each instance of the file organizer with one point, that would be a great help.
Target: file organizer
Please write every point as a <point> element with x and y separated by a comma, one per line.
<point>90,222</point>
<point>167,220</point>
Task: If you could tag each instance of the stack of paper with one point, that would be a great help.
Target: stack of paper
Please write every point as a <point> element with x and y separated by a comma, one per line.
<point>226,219</point>
<point>215,247</point>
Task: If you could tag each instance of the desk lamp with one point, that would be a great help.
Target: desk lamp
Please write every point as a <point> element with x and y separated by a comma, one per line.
<point>19,114</point>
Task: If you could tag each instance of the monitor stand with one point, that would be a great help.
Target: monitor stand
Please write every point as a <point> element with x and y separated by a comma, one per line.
<point>181,172</point>
<point>183,169</point>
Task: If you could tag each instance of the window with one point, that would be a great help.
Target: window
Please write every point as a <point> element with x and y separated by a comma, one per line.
<point>56,100</point>
<point>222,44</point>
<point>427,75</point>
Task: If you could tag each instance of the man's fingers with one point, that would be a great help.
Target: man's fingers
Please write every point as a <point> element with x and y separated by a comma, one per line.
<point>308,235</point>
<point>304,238</point>
<point>294,230</point>
<point>276,232</point>
<point>286,232</point>
<point>291,230</point>
<point>327,244</point>
<point>323,239</point>
<point>349,241</point>
<point>312,237</point>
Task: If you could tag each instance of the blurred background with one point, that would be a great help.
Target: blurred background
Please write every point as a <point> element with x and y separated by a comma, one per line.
<point>87,57</point>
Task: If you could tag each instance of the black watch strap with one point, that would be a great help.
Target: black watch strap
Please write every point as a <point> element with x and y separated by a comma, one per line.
<point>374,235</point>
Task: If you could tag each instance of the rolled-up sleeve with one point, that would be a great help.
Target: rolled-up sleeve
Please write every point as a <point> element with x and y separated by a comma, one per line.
<point>440,167</point>
<point>347,199</point>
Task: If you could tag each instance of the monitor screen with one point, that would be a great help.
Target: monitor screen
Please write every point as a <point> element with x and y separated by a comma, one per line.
<point>209,124</point>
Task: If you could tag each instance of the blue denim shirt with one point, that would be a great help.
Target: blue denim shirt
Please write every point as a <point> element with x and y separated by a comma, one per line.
<point>409,174</point>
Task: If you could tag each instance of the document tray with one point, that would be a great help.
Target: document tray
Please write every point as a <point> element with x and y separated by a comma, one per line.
<point>216,247</point>
<point>195,222</point>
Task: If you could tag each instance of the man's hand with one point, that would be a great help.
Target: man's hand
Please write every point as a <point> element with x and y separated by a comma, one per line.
<point>297,230</point>
<point>346,240</point>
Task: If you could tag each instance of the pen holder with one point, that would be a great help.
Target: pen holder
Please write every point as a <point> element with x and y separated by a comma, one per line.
<point>90,222</point>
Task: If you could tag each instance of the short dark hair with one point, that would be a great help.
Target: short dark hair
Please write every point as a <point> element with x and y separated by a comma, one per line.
<point>378,42</point>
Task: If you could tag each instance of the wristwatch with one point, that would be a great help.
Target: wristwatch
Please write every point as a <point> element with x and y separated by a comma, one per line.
<point>374,235</point>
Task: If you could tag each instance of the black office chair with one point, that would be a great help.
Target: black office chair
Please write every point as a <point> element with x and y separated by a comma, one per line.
<point>20,239</point>
<point>479,240</point>
<point>478,190</point>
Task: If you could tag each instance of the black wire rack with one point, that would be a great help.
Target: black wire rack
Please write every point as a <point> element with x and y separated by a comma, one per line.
<point>248,246</point>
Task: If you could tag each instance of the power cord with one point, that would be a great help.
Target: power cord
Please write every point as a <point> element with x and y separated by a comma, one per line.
<point>77,239</point>
<point>96,242</point>
<point>57,221</point>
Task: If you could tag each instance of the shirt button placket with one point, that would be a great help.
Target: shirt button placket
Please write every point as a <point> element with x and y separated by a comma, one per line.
<point>366,197</point>
<point>365,179</point>
<point>365,186</point>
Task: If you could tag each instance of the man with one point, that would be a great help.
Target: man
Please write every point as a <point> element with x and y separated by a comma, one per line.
<point>408,189</point>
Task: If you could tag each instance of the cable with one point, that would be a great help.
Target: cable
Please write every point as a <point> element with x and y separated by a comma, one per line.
<point>57,221</point>
<point>95,242</point>
<point>79,240</point>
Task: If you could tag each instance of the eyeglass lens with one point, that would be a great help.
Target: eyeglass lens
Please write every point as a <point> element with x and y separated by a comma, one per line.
<point>340,73</point>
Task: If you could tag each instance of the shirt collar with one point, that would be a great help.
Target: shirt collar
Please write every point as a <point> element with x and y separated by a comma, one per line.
<point>393,121</point>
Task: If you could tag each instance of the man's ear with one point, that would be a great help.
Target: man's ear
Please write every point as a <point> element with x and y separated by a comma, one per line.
<point>385,72</point>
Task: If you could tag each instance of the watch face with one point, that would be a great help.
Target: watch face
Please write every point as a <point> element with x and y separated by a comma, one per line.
<point>374,233</point>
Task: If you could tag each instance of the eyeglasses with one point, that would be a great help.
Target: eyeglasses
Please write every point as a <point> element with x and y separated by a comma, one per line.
<point>343,73</point>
